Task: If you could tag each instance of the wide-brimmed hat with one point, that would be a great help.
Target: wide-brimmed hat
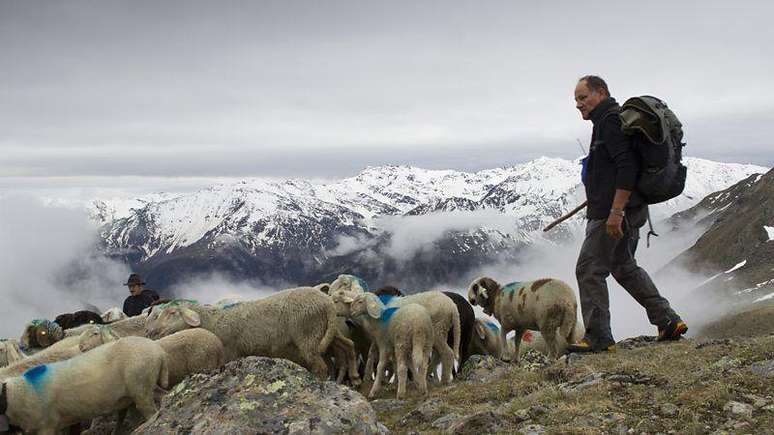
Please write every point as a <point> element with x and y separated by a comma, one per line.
<point>134,279</point>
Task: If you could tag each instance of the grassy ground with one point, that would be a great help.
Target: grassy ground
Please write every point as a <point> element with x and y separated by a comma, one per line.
<point>678,387</point>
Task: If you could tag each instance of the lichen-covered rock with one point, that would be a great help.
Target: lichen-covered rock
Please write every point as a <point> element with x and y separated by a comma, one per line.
<point>478,423</point>
<point>482,368</point>
<point>261,396</point>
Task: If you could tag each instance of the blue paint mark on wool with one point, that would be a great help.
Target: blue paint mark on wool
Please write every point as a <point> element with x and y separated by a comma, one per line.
<point>36,376</point>
<point>492,326</point>
<point>386,299</point>
<point>512,286</point>
<point>387,314</point>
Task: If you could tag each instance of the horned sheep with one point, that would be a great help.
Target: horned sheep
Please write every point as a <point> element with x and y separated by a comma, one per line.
<point>297,324</point>
<point>105,380</point>
<point>402,334</point>
<point>546,305</point>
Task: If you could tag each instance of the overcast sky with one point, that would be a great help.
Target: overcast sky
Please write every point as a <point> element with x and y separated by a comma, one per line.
<point>147,89</point>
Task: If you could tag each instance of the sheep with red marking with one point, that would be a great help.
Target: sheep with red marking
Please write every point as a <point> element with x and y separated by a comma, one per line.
<point>546,305</point>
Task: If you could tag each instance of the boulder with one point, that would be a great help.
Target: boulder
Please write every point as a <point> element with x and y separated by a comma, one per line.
<point>261,395</point>
<point>483,368</point>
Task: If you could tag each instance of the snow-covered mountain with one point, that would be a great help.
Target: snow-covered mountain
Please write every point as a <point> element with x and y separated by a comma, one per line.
<point>297,230</point>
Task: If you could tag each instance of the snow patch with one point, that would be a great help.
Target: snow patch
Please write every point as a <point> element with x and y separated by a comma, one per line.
<point>738,266</point>
<point>769,232</point>
<point>765,298</point>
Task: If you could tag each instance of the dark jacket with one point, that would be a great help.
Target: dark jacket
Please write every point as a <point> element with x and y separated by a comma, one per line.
<point>612,162</point>
<point>133,305</point>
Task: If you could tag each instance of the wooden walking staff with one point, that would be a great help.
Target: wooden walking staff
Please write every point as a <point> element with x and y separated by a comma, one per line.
<point>565,217</point>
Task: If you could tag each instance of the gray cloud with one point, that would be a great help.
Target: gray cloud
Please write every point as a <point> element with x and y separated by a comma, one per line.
<point>293,88</point>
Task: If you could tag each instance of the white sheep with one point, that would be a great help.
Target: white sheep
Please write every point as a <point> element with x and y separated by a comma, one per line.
<point>113,315</point>
<point>129,327</point>
<point>445,317</point>
<point>485,339</point>
<point>105,380</point>
<point>546,305</point>
<point>402,334</point>
<point>296,324</point>
<point>10,352</point>
<point>61,350</point>
<point>189,351</point>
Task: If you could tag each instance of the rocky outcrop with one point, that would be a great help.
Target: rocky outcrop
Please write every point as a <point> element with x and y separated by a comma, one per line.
<point>263,396</point>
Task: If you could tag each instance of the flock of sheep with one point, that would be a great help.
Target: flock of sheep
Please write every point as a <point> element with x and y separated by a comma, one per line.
<point>56,376</point>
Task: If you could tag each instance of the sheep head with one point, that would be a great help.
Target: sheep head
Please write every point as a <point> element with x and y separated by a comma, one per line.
<point>487,337</point>
<point>482,292</point>
<point>366,303</point>
<point>348,283</point>
<point>163,321</point>
<point>113,315</point>
<point>95,336</point>
<point>41,333</point>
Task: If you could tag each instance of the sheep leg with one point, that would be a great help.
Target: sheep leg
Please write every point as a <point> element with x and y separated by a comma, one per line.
<point>402,369</point>
<point>349,359</point>
<point>447,358</point>
<point>120,417</point>
<point>419,367</point>
<point>373,355</point>
<point>506,351</point>
<point>548,331</point>
<point>379,375</point>
<point>517,344</point>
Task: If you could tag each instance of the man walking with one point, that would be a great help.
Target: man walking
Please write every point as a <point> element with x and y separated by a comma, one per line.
<point>615,213</point>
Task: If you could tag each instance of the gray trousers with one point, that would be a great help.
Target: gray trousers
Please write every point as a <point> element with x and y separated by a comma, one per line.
<point>602,255</point>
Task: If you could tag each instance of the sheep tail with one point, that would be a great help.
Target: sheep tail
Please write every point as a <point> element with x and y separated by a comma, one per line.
<point>164,372</point>
<point>330,331</point>
<point>567,326</point>
<point>457,331</point>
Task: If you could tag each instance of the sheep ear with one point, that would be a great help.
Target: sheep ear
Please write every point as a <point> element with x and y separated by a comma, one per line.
<point>373,306</point>
<point>107,335</point>
<point>191,317</point>
<point>480,330</point>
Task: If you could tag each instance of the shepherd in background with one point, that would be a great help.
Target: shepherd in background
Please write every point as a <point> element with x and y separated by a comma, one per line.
<point>615,212</point>
<point>138,299</point>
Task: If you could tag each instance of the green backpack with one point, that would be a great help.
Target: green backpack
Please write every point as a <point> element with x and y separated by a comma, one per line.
<point>657,135</point>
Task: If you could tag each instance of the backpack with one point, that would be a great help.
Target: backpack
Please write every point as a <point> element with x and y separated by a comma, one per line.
<point>657,135</point>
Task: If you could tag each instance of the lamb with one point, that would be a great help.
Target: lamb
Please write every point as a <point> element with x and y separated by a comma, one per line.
<point>446,320</point>
<point>189,351</point>
<point>78,318</point>
<point>545,305</point>
<point>485,339</point>
<point>40,333</point>
<point>105,380</point>
<point>398,332</point>
<point>10,352</point>
<point>297,324</point>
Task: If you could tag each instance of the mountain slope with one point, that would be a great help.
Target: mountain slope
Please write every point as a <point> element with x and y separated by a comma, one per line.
<point>437,223</point>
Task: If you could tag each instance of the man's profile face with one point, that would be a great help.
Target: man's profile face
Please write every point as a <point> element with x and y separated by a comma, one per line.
<point>586,99</point>
<point>135,289</point>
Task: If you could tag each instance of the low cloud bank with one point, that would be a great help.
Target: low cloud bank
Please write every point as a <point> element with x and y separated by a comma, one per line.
<point>48,263</point>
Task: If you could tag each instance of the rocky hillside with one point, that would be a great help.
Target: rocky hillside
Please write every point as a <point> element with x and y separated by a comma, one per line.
<point>737,248</point>
<point>702,385</point>
<point>386,223</point>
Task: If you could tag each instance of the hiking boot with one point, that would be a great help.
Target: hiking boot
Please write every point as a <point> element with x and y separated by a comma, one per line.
<point>584,346</point>
<point>672,331</point>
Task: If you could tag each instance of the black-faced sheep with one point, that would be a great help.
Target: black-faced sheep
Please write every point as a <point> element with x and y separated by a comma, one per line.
<point>546,305</point>
<point>402,334</point>
<point>467,318</point>
<point>297,324</point>
<point>78,318</point>
<point>105,380</point>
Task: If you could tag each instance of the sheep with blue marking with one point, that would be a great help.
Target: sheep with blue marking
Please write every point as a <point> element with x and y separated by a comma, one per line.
<point>446,322</point>
<point>298,324</point>
<point>403,335</point>
<point>347,283</point>
<point>108,379</point>
<point>486,339</point>
<point>546,305</point>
